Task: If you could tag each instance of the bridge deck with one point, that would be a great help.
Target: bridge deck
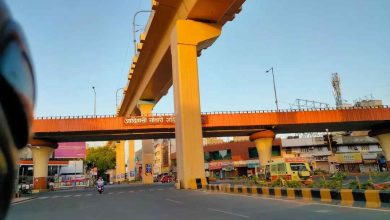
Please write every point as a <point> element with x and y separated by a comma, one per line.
<point>214,124</point>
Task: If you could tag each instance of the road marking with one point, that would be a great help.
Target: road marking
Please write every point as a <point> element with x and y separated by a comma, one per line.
<point>131,191</point>
<point>110,193</point>
<point>229,213</point>
<point>322,211</point>
<point>174,201</point>
<point>67,196</point>
<point>43,197</point>
<point>120,192</point>
<point>77,195</point>
<point>54,197</point>
<point>89,194</point>
<point>160,189</point>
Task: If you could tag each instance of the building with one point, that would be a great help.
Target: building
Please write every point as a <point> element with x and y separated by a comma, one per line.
<point>162,163</point>
<point>65,164</point>
<point>349,154</point>
<point>369,103</point>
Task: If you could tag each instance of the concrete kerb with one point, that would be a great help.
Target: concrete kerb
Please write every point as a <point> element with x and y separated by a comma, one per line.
<point>21,199</point>
<point>344,197</point>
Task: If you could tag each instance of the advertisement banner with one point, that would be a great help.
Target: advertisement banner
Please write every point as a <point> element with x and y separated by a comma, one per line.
<point>349,158</point>
<point>70,150</point>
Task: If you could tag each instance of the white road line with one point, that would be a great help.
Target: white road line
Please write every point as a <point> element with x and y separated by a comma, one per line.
<point>160,189</point>
<point>43,197</point>
<point>120,192</point>
<point>322,211</point>
<point>130,191</point>
<point>77,195</point>
<point>54,197</point>
<point>67,196</point>
<point>110,193</point>
<point>174,201</point>
<point>229,213</point>
<point>89,194</point>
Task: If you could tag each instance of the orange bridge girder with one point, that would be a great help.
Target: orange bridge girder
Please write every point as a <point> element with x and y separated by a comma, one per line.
<point>214,124</point>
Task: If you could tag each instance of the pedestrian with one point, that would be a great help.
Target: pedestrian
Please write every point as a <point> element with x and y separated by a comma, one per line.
<point>207,176</point>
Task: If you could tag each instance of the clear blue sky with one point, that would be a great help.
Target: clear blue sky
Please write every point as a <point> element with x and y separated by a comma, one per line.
<point>79,44</point>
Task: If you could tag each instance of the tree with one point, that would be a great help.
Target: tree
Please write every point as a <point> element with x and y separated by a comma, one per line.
<point>104,158</point>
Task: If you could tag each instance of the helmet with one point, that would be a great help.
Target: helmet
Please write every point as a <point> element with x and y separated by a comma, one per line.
<point>17,98</point>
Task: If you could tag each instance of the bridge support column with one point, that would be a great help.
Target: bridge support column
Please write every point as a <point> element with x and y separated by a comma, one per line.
<point>120,169</point>
<point>384,141</point>
<point>146,108</point>
<point>187,40</point>
<point>131,160</point>
<point>263,140</point>
<point>41,155</point>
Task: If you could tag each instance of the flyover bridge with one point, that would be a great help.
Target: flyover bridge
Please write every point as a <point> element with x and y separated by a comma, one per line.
<point>214,124</point>
<point>261,126</point>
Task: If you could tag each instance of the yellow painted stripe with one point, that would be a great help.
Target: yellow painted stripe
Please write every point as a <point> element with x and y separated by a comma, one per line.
<point>290,193</point>
<point>346,197</point>
<point>244,189</point>
<point>325,195</point>
<point>265,191</point>
<point>235,189</point>
<point>372,199</point>
<point>306,194</point>
<point>254,190</point>
<point>278,192</point>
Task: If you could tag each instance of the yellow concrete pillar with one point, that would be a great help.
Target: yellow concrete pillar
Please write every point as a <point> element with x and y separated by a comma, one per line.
<point>146,108</point>
<point>41,155</point>
<point>131,160</point>
<point>120,169</point>
<point>263,140</point>
<point>187,40</point>
<point>384,141</point>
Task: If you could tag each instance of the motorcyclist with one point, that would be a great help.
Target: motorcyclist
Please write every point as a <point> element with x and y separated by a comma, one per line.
<point>100,182</point>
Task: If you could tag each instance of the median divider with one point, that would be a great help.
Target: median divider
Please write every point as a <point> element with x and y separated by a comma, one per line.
<point>345,197</point>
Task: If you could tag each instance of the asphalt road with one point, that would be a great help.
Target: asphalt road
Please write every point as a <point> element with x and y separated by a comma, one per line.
<point>164,202</point>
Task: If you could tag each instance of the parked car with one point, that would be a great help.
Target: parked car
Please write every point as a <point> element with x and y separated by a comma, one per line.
<point>166,179</point>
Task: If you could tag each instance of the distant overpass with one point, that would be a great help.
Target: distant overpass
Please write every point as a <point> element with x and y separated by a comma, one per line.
<point>214,124</point>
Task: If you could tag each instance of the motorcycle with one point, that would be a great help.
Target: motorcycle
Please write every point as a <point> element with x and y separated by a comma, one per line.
<point>100,189</point>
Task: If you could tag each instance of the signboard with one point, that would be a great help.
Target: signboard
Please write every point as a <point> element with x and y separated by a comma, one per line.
<point>132,174</point>
<point>148,169</point>
<point>154,120</point>
<point>349,158</point>
<point>70,150</point>
<point>369,156</point>
<point>215,165</point>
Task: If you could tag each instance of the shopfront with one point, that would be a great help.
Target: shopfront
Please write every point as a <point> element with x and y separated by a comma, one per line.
<point>370,163</point>
<point>349,162</point>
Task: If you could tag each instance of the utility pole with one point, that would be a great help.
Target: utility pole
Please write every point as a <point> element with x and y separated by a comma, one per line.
<point>273,79</point>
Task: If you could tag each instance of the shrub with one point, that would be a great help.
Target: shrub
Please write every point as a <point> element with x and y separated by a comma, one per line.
<point>278,183</point>
<point>353,184</point>
<point>293,184</point>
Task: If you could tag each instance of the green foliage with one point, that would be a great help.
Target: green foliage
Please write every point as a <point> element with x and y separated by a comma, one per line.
<point>338,176</point>
<point>293,184</point>
<point>104,158</point>
<point>368,185</point>
<point>353,184</point>
<point>278,183</point>
<point>328,184</point>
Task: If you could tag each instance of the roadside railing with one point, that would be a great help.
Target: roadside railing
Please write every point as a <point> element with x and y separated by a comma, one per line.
<point>221,112</point>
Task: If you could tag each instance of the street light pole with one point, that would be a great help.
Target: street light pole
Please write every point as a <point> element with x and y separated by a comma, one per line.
<point>273,79</point>
<point>135,31</point>
<point>94,103</point>
<point>116,97</point>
